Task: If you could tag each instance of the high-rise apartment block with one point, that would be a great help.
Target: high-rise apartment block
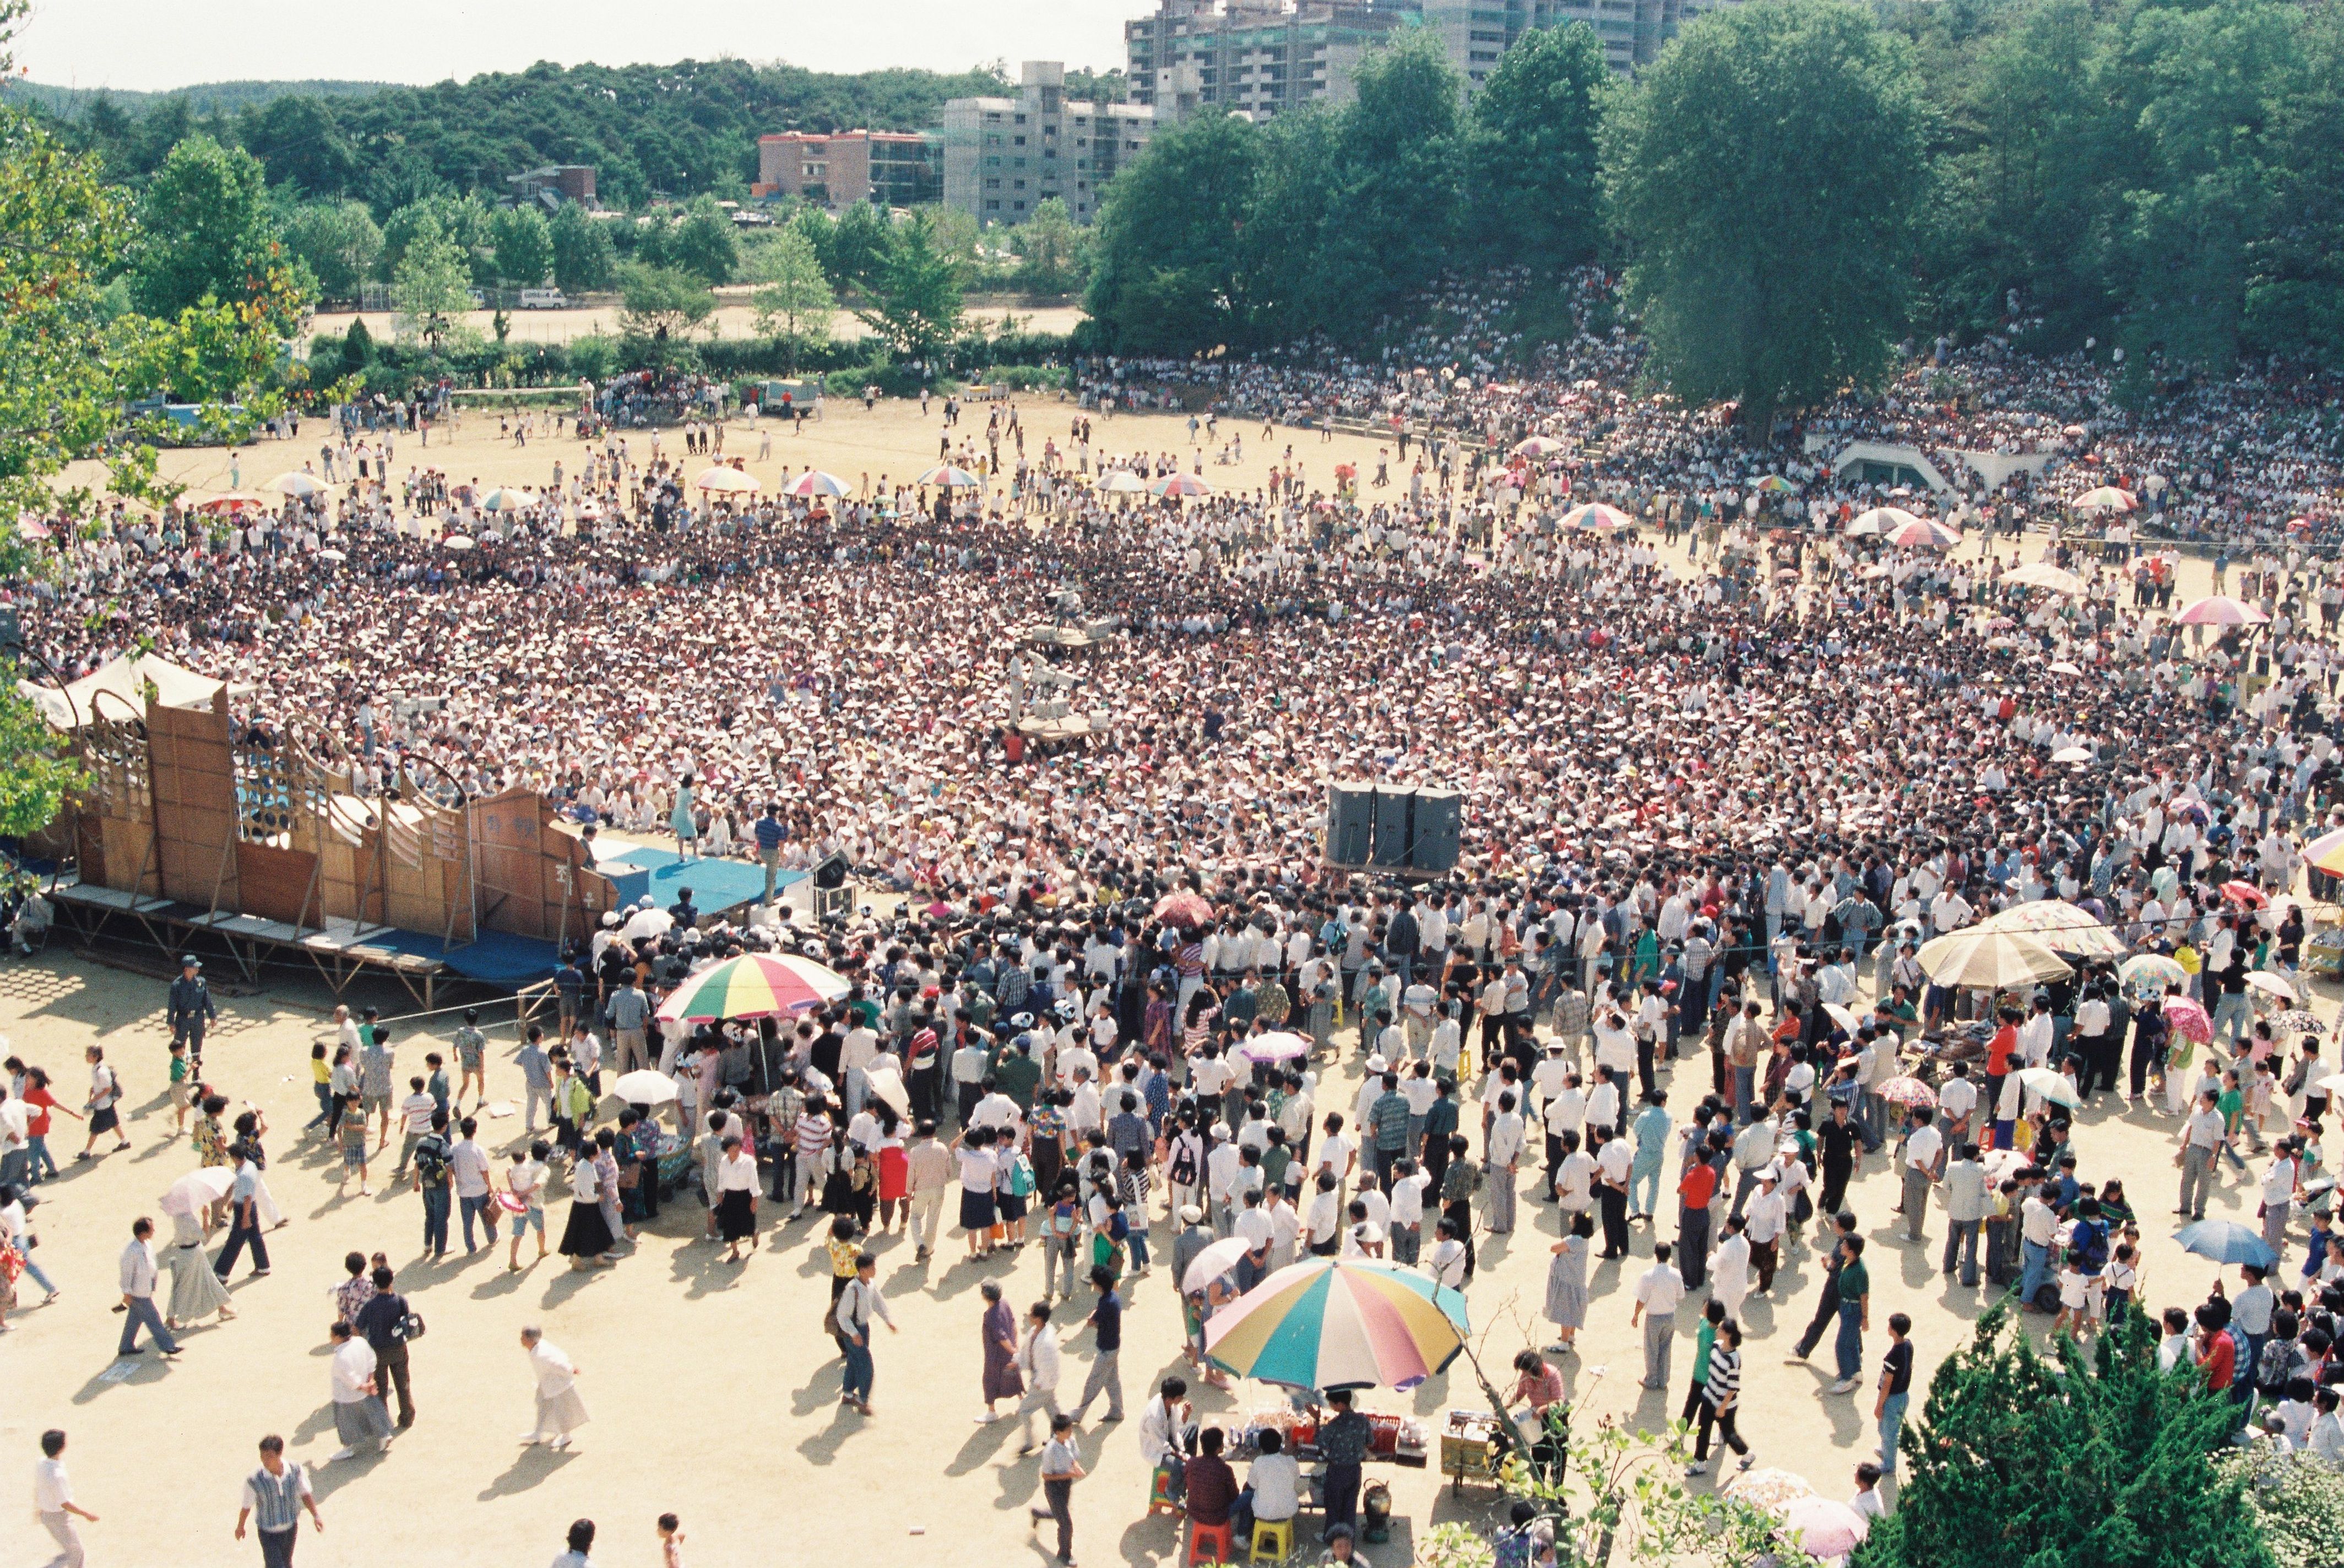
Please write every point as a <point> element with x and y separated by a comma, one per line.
<point>1004,156</point>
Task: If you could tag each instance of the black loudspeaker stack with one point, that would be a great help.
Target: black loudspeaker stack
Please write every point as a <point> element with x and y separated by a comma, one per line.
<point>1393,827</point>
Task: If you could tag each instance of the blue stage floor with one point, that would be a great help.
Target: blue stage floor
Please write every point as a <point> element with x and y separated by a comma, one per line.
<point>717,885</point>
<point>493,958</point>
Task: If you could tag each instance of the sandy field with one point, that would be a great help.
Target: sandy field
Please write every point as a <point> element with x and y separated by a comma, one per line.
<point>712,1390</point>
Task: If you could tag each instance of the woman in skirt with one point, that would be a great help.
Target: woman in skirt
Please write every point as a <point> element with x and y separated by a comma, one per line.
<point>586,1238</point>
<point>195,1290</point>
<point>559,1411</point>
<point>979,1174</point>
<point>999,1331</point>
<point>736,1197</point>
<point>1566,1281</point>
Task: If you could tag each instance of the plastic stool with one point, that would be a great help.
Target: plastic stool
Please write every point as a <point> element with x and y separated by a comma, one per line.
<point>1219,1535</point>
<point>1273,1541</point>
<point>1161,1498</point>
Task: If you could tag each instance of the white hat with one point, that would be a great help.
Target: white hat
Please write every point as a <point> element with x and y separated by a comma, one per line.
<point>1191,1214</point>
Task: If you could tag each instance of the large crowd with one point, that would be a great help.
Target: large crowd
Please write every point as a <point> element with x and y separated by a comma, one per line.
<point>1710,804</point>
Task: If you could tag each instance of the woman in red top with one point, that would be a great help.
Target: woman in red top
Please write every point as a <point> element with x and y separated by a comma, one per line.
<point>35,1094</point>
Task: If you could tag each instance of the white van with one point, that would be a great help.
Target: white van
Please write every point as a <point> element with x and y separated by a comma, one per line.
<point>543,299</point>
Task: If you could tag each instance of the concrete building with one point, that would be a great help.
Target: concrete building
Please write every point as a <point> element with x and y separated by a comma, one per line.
<point>842,168</point>
<point>1632,32</point>
<point>1004,156</point>
<point>1258,58</point>
<point>554,184</point>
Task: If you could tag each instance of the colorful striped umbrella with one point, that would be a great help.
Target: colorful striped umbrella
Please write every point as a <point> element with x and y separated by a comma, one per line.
<point>1181,484</point>
<point>1772,484</point>
<point>1329,1323</point>
<point>1923,533</point>
<point>1596,515</point>
<point>2326,852</point>
<point>506,498</point>
<point>1879,519</point>
<point>1540,447</point>
<point>951,478</point>
<point>755,986</point>
<point>813,481</point>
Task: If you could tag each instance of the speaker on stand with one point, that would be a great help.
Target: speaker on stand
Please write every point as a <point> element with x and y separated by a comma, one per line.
<point>1440,823</point>
<point>1350,823</point>
<point>1395,827</point>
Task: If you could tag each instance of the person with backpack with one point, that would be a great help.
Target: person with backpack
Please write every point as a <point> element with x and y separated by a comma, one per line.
<point>434,1178</point>
<point>103,1105</point>
<point>390,1326</point>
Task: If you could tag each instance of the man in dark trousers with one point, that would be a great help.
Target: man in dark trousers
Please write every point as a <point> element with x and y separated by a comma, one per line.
<point>1827,1307</point>
<point>190,1010</point>
<point>1343,1443</point>
<point>1401,939</point>
<point>383,1321</point>
<point>1837,1140</point>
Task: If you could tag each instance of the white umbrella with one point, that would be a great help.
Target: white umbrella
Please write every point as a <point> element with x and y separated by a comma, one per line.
<point>336,556</point>
<point>887,1084</point>
<point>645,923</point>
<point>2073,755</point>
<point>2264,980</point>
<point>2051,1085</point>
<point>1983,956</point>
<point>2061,926</point>
<point>1213,1262</point>
<point>199,1189</point>
<point>297,484</point>
<point>2042,574</point>
<point>457,542</point>
<point>1123,481</point>
<point>1844,1017</point>
<point>645,1086</point>
<point>727,482</point>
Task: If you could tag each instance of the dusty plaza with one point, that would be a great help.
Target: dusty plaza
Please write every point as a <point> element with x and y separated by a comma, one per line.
<point>713,1389</point>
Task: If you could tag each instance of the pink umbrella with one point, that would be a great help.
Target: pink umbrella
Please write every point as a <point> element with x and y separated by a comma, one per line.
<point>1824,1527</point>
<point>1908,1091</point>
<point>1183,908</point>
<point>2189,1019</point>
<point>1925,533</point>
<point>813,481</point>
<point>1181,484</point>
<point>2220,610</point>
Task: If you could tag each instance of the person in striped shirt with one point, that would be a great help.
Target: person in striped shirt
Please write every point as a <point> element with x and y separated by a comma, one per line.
<point>1720,1399</point>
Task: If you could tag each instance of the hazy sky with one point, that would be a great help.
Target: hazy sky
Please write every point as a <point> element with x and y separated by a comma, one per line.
<point>157,44</point>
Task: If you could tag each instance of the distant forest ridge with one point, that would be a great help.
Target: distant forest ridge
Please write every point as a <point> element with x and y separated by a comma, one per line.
<point>204,97</point>
<point>682,129</point>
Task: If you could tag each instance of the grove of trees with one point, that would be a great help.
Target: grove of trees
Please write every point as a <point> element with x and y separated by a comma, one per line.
<point>1792,189</point>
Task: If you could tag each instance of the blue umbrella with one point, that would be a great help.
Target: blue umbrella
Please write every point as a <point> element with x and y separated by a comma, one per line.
<point>2226,1241</point>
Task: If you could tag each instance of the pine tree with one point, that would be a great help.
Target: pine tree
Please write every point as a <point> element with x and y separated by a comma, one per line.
<point>2080,1460</point>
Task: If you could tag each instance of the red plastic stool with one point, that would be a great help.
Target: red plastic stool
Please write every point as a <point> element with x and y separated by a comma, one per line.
<point>1220,1537</point>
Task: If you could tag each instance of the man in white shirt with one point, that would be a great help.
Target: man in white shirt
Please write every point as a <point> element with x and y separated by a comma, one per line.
<point>2278,1196</point>
<point>1273,1488</point>
<point>1502,1153</point>
<point>2200,1136</point>
<point>1659,1290</point>
<point>53,1501</point>
<point>1768,1215</point>
<point>138,1292</point>
<point>1922,1145</point>
<point>1038,1358</point>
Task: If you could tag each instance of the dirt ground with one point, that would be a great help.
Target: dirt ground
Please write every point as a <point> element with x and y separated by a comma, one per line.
<point>712,1390</point>
<point>892,440</point>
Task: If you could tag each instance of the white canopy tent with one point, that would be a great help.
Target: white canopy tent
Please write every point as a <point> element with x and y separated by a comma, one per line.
<point>127,678</point>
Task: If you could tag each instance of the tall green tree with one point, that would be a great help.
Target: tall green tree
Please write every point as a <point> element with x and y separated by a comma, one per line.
<point>794,299</point>
<point>1770,174</point>
<point>2077,1460</point>
<point>337,241</point>
<point>204,228</point>
<point>1167,254</point>
<point>705,243</point>
<point>431,291</point>
<point>860,245</point>
<point>2295,289</point>
<point>1533,175</point>
<point>584,259</point>
<point>524,246</point>
<point>662,306</point>
<point>916,305</point>
<point>2203,87</point>
<point>1052,252</point>
<point>301,142</point>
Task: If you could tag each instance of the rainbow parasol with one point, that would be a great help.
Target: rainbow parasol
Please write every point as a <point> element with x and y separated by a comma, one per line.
<point>755,986</point>
<point>1329,1323</point>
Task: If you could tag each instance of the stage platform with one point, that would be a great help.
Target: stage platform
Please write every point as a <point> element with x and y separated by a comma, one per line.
<point>719,886</point>
<point>340,951</point>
